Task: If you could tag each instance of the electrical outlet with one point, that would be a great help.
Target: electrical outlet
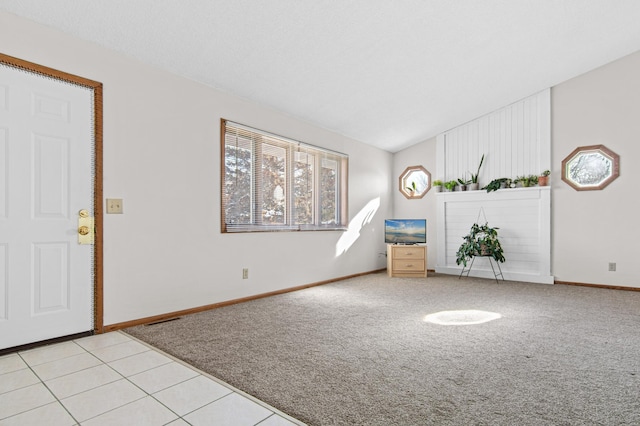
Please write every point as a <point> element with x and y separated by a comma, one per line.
<point>245,273</point>
<point>114,205</point>
<point>612,266</point>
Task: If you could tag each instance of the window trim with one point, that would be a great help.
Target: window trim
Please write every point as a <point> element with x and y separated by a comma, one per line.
<point>403,183</point>
<point>341,186</point>
<point>603,151</point>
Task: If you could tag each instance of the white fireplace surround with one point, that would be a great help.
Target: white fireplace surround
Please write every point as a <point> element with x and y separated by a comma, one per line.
<point>522,214</point>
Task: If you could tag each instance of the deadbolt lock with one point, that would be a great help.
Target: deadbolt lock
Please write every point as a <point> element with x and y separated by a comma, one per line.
<point>85,227</point>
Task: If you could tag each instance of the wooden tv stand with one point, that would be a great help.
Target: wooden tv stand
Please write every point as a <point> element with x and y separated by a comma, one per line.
<point>406,261</point>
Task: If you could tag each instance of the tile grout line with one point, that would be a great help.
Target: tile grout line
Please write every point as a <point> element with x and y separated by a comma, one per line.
<point>60,401</point>
<point>149,349</point>
<point>152,395</point>
<point>273,410</point>
<point>55,397</point>
<point>122,376</point>
<point>146,394</point>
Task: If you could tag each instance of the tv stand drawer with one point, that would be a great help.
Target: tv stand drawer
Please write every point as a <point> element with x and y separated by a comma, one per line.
<point>408,252</point>
<point>416,265</point>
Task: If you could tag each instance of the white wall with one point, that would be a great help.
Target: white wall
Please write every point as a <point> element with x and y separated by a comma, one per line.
<point>422,154</point>
<point>593,228</point>
<point>162,156</point>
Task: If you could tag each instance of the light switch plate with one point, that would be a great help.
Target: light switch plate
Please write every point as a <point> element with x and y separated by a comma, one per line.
<point>114,205</point>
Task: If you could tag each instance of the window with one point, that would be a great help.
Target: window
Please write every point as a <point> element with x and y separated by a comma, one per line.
<point>271,183</point>
<point>415,182</point>
<point>590,168</point>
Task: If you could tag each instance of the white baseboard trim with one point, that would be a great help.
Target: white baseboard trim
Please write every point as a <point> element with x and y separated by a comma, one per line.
<point>509,276</point>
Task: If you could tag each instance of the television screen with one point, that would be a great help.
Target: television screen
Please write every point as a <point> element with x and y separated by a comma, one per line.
<point>405,231</point>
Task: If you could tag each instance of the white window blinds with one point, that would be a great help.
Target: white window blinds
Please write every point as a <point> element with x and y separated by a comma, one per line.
<point>272,183</point>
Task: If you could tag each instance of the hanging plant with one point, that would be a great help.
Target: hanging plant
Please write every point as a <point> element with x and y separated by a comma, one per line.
<point>482,240</point>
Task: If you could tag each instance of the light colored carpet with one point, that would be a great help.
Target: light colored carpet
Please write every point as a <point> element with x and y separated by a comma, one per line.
<point>358,352</point>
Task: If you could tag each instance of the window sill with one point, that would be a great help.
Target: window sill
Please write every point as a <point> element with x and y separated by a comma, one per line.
<point>233,229</point>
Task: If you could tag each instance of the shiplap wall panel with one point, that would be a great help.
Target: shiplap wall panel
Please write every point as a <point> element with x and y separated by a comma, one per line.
<point>516,141</point>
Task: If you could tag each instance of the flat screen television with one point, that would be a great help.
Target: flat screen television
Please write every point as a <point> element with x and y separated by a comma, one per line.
<point>405,231</point>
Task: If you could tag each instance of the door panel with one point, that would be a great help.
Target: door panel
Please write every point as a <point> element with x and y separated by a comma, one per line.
<point>3,282</point>
<point>4,166</point>
<point>51,278</point>
<point>51,178</point>
<point>46,130</point>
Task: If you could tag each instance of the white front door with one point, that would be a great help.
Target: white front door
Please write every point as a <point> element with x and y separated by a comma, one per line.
<point>46,178</point>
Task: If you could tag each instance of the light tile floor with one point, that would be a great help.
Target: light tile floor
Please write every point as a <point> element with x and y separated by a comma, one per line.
<point>114,379</point>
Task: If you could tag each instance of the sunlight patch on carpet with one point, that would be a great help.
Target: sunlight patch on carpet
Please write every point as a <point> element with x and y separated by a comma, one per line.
<point>464,317</point>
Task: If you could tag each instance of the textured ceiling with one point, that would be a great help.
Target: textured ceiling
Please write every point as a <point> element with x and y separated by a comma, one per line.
<point>387,73</point>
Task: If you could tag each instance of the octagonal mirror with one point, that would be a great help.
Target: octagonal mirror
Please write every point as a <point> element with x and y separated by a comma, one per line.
<point>590,167</point>
<point>415,182</point>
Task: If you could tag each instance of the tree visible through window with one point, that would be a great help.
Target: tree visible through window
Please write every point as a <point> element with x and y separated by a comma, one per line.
<point>273,183</point>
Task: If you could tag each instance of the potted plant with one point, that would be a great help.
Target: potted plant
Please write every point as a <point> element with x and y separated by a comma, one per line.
<point>450,185</point>
<point>411,189</point>
<point>437,185</point>
<point>543,179</point>
<point>462,184</point>
<point>527,181</point>
<point>473,185</point>
<point>496,184</point>
<point>482,240</point>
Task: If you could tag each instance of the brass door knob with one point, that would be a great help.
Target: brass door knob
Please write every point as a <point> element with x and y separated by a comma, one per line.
<point>83,230</point>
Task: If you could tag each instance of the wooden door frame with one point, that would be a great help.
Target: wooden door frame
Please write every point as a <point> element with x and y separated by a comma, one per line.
<point>98,326</point>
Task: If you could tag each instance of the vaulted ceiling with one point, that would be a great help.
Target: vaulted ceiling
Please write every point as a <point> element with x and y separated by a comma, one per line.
<point>389,73</point>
